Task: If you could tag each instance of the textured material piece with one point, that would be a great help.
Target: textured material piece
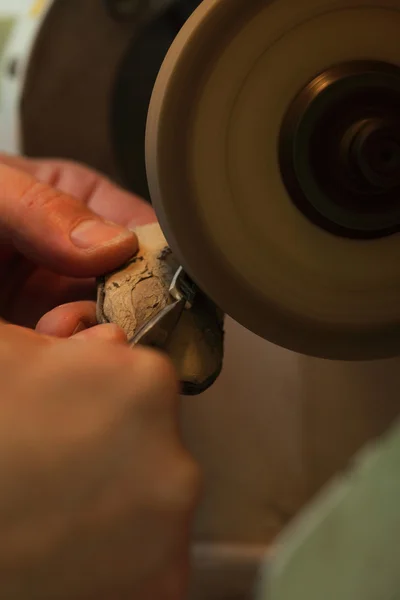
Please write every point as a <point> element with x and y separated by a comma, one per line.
<point>134,294</point>
<point>346,544</point>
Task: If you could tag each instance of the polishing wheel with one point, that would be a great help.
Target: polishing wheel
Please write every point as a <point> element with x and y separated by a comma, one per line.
<point>273,162</point>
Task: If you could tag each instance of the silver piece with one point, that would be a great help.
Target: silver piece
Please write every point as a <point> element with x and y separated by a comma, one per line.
<point>157,332</point>
<point>183,287</point>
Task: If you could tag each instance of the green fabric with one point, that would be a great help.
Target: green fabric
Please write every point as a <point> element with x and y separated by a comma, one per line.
<point>346,545</point>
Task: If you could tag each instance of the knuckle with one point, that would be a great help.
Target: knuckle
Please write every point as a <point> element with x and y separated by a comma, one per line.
<point>97,368</point>
<point>50,173</point>
<point>39,195</point>
<point>79,358</point>
<point>98,351</point>
<point>19,342</point>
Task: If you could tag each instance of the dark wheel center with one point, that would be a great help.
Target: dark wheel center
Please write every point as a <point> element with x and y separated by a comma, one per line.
<point>372,147</point>
<point>339,150</point>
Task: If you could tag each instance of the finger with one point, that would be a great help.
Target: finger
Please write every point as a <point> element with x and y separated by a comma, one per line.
<point>78,320</point>
<point>99,193</point>
<point>9,330</point>
<point>108,333</point>
<point>24,339</point>
<point>57,231</point>
<point>19,341</point>
<point>45,291</point>
<point>68,319</point>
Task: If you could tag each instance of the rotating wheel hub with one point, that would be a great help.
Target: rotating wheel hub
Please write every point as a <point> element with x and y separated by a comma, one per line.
<point>340,150</point>
<point>273,161</point>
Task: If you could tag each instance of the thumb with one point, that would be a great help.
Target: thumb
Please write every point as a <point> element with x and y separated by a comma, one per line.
<point>56,230</point>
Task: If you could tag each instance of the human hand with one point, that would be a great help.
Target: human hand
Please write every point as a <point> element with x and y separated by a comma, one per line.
<point>41,268</point>
<point>96,489</point>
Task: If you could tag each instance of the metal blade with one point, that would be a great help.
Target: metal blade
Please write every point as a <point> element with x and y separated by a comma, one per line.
<point>157,332</point>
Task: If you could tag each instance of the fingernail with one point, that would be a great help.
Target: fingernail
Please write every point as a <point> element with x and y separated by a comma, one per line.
<point>95,232</point>
<point>141,220</point>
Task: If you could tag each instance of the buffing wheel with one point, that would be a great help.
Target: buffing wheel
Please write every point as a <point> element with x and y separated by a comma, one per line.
<point>273,161</point>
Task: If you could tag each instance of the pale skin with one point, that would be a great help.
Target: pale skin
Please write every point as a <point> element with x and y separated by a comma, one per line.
<point>97,491</point>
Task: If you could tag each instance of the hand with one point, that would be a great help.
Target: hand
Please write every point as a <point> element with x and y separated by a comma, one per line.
<point>96,490</point>
<point>44,261</point>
